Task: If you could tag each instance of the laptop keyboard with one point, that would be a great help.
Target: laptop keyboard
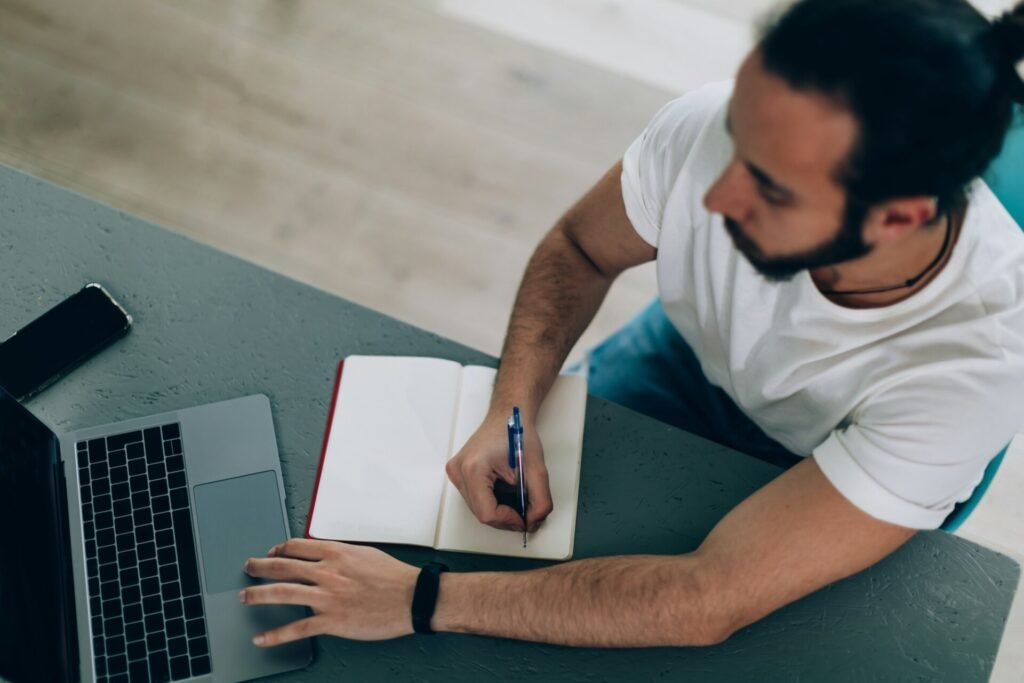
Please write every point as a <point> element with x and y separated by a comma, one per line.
<point>145,601</point>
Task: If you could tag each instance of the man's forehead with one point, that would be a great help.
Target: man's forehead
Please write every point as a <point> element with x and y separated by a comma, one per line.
<point>791,134</point>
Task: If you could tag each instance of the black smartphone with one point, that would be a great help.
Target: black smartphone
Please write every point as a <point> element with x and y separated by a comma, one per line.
<point>58,341</point>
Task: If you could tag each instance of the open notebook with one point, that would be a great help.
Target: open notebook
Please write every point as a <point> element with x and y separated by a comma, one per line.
<point>396,421</point>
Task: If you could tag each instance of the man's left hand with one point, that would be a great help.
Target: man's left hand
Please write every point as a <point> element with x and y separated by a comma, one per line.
<point>355,592</point>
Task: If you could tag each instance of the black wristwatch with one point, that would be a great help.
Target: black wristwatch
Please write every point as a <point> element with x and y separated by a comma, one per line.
<point>424,598</point>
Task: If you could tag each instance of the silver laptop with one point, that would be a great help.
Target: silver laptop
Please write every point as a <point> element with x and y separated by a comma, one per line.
<point>125,545</point>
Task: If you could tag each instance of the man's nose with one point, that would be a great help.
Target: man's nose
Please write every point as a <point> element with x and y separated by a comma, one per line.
<point>727,195</point>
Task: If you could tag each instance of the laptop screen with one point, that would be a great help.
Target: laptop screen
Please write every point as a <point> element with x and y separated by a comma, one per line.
<point>36,607</point>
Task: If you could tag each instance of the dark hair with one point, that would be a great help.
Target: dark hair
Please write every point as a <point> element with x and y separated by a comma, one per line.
<point>932,84</point>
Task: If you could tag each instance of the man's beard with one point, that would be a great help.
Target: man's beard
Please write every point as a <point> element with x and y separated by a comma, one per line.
<point>848,244</point>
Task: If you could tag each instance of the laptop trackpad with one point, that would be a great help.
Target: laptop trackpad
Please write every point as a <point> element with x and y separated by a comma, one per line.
<point>237,518</point>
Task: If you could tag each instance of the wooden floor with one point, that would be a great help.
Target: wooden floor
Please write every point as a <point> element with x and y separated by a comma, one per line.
<point>406,154</point>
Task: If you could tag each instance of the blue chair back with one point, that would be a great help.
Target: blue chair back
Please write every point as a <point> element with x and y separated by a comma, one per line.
<point>1006,178</point>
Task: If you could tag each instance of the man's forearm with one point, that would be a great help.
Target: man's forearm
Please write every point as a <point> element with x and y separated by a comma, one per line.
<point>629,601</point>
<point>559,296</point>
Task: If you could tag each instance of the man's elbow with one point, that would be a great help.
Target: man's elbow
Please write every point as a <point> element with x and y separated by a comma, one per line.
<point>702,617</point>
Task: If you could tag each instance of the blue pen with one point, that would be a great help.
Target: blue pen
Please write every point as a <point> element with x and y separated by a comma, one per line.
<point>517,443</point>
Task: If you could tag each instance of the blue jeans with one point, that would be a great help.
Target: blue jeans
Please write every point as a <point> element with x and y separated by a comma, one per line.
<point>648,367</point>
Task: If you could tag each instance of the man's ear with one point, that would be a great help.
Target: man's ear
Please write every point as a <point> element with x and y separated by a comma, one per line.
<point>893,220</point>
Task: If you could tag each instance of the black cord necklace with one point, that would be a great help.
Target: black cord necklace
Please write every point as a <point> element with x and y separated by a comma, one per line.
<point>912,281</point>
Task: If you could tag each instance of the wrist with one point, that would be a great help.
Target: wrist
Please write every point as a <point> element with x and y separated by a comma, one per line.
<point>448,615</point>
<point>501,410</point>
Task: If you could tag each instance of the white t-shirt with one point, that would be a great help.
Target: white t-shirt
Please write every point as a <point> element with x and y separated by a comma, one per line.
<point>903,406</point>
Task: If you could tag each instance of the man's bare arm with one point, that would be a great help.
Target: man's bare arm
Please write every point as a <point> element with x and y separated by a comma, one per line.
<point>564,285</point>
<point>792,537</point>
<point>565,282</point>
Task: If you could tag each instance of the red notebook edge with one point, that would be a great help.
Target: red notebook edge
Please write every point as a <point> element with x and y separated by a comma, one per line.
<point>323,449</point>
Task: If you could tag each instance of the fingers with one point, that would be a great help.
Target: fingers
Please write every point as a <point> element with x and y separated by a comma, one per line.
<point>281,568</point>
<point>480,496</point>
<point>281,594</point>
<point>303,549</point>
<point>540,496</point>
<point>297,630</point>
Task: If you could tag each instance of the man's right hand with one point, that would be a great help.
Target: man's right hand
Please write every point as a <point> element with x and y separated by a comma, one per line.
<point>484,459</point>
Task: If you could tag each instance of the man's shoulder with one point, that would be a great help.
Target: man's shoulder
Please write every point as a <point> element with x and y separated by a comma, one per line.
<point>680,122</point>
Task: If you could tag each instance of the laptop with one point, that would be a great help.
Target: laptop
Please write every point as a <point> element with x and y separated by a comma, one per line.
<point>124,544</point>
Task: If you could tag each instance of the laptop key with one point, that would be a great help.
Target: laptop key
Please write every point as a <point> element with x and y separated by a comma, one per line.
<point>104,520</point>
<point>180,667</point>
<point>195,628</point>
<point>122,507</point>
<point>193,607</point>
<point>113,627</point>
<point>116,646</point>
<point>171,431</point>
<point>136,649</point>
<point>161,504</point>
<point>146,551</point>
<point>154,445</point>
<point>159,669</point>
<point>166,555</point>
<point>97,451</point>
<point>198,646</point>
<point>105,539</point>
<point>138,671</point>
<point>132,614</point>
<point>100,487</point>
<point>156,641</point>
<point>158,487</point>
<point>135,451</point>
<point>173,609</point>
<point>162,520</point>
<point>176,646</point>
<point>123,525</point>
<point>176,631</point>
<point>179,499</point>
<point>154,622</point>
<point>186,552</point>
<point>130,576</point>
<point>131,595</point>
<point>144,533</point>
<point>136,467</point>
<point>151,604</point>
<point>168,573</point>
<point>200,666</point>
<point>116,665</point>
<point>108,572</point>
<point>118,458</point>
<point>150,586</point>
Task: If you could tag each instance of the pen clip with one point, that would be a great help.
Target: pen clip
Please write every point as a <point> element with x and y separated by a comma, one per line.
<point>511,444</point>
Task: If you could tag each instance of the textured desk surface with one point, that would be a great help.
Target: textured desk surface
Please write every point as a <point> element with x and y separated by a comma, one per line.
<point>210,327</point>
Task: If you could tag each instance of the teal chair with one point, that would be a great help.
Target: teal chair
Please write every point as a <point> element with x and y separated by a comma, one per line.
<point>1006,178</point>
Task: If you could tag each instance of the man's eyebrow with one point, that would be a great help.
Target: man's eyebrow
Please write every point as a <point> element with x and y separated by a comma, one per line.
<point>758,173</point>
<point>766,180</point>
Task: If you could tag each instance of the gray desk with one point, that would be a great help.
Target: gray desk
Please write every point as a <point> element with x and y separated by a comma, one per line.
<point>211,327</point>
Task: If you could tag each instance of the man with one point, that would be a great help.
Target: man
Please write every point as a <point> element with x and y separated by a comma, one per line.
<point>851,295</point>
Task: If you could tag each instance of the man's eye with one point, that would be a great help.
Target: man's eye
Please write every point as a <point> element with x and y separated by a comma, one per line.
<point>773,198</point>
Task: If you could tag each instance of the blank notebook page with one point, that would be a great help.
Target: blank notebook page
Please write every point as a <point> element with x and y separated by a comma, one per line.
<point>560,425</point>
<point>383,470</point>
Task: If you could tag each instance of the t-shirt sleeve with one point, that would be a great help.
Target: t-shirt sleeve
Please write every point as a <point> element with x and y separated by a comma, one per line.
<point>916,451</point>
<point>653,162</point>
